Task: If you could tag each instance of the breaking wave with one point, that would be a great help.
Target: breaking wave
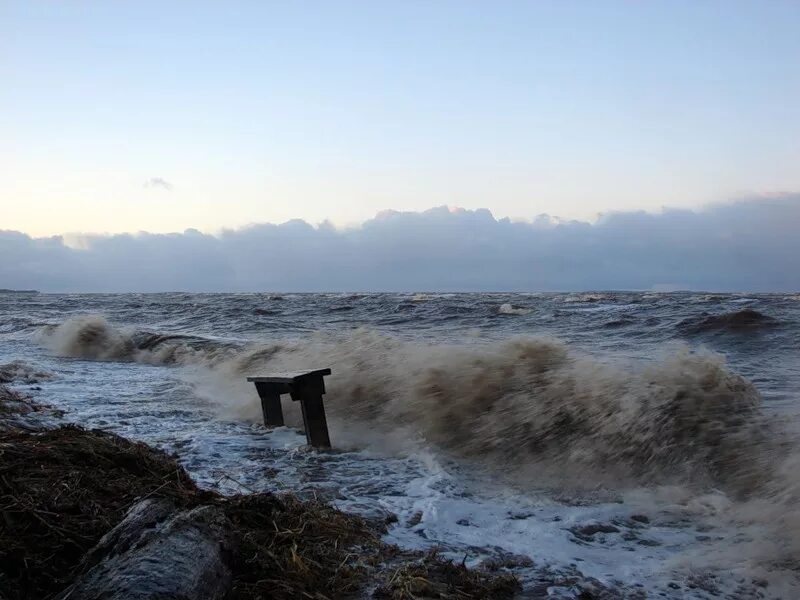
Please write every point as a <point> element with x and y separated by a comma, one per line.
<point>532,405</point>
<point>510,309</point>
<point>532,410</point>
<point>92,337</point>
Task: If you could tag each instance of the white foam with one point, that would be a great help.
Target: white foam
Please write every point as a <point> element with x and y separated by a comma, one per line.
<point>510,309</point>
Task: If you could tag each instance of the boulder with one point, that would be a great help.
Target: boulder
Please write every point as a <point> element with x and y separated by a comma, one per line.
<point>156,552</point>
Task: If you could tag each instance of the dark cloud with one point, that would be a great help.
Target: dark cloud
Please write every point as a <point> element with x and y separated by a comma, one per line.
<point>750,245</point>
<point>158,182</point>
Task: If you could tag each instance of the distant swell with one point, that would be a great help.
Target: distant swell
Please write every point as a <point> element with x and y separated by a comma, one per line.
<point>529,405</point>
<point>739,320</point>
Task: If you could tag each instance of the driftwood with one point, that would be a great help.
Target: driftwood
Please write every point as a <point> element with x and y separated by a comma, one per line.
<point>158,552</point>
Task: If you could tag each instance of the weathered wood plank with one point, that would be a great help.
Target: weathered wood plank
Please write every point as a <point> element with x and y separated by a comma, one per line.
<point>289,377</point>
<point>315,422</point>
<point>271,407</point>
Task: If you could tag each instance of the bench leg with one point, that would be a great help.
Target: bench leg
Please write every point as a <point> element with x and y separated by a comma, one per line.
<point>315,422</point>
<point>270,406</point>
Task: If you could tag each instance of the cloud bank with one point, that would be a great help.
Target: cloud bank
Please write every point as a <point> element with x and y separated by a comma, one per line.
<point>749,245</point>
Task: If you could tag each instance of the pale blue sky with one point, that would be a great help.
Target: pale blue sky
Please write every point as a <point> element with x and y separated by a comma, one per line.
<point>264,111</point>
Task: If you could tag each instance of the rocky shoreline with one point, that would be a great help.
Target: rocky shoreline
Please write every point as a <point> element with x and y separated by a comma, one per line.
<point>89,514</point>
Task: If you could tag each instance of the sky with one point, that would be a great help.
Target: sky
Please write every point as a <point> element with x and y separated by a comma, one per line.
<point>164,116</point>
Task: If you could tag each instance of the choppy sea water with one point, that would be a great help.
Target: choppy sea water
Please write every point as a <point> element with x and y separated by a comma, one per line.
<point>641,444</point>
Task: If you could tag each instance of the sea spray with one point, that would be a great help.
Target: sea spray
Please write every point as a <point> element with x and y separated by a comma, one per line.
<point>530,404</point>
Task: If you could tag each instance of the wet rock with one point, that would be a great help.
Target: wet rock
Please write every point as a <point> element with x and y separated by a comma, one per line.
<point>141,518</point>
<point>521,516</point>
<point>587,531</point>
<point>19,371</point>
<point>158,552</point>
<point>414,519</point>
<point>19,412</point>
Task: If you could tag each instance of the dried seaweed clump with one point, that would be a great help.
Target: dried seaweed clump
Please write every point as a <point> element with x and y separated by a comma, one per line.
<point>436,577</point>
<point>297,549</point>
<point>61,490</point>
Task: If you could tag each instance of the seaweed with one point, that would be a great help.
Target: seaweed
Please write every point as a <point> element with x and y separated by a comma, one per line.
<point>61,490</point>
<point>290,548</point>
<point>436,577</point>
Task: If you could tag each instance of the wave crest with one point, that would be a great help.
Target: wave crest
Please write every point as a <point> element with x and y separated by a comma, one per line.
<point>510,309</point>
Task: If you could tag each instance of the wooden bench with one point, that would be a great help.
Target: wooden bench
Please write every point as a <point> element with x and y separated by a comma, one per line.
<point>307,387</point>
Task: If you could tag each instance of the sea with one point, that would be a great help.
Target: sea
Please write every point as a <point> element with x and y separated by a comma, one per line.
<point>597,444</point>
